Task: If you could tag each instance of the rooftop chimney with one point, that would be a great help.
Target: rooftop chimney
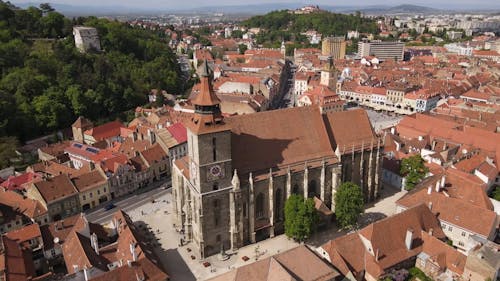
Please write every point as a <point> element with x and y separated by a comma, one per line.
<point>409,238</point>
<point>437,186</point>
<point>86,274</point>
<point>94,243</point>
<point>431,231</point>
<point>132,251</point>
<point>443,181</point>
<point>377,252</point>
<point>430,206</point>
<point>429,190</point>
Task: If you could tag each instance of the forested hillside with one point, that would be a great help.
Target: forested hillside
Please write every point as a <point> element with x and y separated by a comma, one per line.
<point>281,25</point>
<point>46,82</point>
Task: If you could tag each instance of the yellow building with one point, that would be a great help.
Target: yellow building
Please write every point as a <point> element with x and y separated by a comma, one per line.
<point>334,47</point>
<point>93,189</point>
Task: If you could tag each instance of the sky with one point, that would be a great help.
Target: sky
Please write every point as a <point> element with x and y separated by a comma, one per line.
<point>178,4</point>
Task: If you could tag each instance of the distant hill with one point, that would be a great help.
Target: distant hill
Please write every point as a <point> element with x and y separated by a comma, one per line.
<point>401,9</point>
<point>281,25</point>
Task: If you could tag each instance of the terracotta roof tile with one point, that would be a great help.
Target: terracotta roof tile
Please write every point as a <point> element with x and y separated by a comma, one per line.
<point>25,234</point>
<point>456,210</point>
<point>154,154</point>
<point>387,237</point>
<point>294,264</point>
<point>28,207</point>
<point>56,188</point>
<point>446,256</point>
<point>278,138</point>
<point>110,129</point>
<point>89,180</point>
<point>15,263</point>
<point>359,132</point>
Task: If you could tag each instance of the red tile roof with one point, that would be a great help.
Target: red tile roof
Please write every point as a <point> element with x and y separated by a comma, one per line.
<point>358,133</point>
<point>89,180</point>
<point>387,237</point>
<point>443,254</point>
<point>278,138</point>
<point>108,130</point>
<point>23,235</point>
<point>450,206</point>
<point>154,154</point>
<point>16,264</point>
<point>19,182</point>
<point>28,207</point>
<point>299,263</point>
<point>179,132</point>
<point>56,188</point>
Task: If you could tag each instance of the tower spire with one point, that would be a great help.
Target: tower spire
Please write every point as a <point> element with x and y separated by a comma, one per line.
<point>207,114</point>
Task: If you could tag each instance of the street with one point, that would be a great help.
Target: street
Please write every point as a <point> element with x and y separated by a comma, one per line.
<point>129,202</point>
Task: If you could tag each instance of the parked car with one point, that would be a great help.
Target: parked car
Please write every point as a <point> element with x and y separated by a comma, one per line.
<point>109,206</point>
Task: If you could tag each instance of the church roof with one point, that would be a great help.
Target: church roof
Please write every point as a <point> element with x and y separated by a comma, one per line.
<point>278,138</point>
<point>350,130</point>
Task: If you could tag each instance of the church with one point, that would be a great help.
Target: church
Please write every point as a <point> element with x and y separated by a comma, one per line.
<point>231,187</point>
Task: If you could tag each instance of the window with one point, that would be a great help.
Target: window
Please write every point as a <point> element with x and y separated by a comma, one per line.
<point>215,186</point>
<point>84,197</point>
<point>277,204</point>
<point>244,209</point>
<point>216,205</point>
<point>450,228</point>
<point>104,189</point>
<point>90,195</point>
<point>464,234</point>
<point>214,149</point>
<point>98,192</point>
<point>461,243</point>
<point>217,238</point>
<point>259,209</point>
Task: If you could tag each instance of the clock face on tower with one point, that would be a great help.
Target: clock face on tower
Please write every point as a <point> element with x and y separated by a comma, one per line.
<point>215,172</point>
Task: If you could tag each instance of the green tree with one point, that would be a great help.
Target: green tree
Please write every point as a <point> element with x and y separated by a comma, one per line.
<point>160,99</point>
<point>414,170</point>
<point>301,217</point>
<point>349,204</point>
<point>242,48</point>
<point>496,193</point>
<point>8,147</point>
<point>46,8</point>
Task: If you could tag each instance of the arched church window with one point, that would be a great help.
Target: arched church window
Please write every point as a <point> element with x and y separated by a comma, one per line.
<point>259,206</point>
<point>277,204</point>
<point>312,188</point>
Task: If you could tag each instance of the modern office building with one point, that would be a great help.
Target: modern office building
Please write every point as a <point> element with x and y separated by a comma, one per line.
<point>381,50</point>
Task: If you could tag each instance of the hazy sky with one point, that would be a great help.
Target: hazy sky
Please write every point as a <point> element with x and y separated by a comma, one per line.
<point>178,4</point>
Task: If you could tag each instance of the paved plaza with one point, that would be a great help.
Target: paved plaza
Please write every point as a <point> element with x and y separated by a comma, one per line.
<point>381,121</point>
<point>181,263</point>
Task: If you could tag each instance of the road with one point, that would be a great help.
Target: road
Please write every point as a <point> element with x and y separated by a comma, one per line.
<point>129,202</point>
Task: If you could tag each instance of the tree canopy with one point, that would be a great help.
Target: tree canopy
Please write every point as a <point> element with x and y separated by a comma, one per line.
<point>282,25</point>
<point>45,82</point>
<point>414,170</point>
<point>348,204</point>
<point>8,147</point>
<point>300,217</point>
